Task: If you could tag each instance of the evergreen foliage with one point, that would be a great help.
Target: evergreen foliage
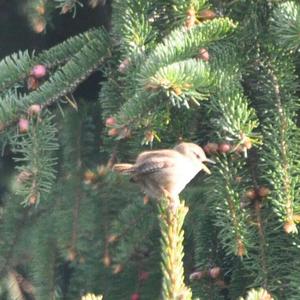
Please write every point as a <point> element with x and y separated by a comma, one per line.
<point>222,74</point>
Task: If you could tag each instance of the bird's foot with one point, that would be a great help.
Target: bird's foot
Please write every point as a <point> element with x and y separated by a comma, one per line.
<point>166,194</point>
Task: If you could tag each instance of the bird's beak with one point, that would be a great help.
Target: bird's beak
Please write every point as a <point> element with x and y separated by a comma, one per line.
<point>205,169</point>
<point>210,161</point>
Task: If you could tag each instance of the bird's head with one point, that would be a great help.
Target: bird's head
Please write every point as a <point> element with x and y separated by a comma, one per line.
<point>195,153</point>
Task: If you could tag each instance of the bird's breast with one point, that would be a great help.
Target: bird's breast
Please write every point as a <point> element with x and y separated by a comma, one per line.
<point>181,175</point>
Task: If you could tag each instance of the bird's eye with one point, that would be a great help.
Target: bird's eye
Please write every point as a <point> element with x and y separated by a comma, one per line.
<point>197,155</point>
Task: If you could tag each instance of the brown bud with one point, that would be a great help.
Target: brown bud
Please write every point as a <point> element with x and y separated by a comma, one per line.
<point>190,21</point>
<point>239,149</point>
<point>24,176</point>
<point>23,125</point>
<point>106,260</point>
<point>290,227</point>
<point>247,144</point>
<point>244,203</point>
<point>191,12</point>
<point>224,148</point>
<point>34,109</point>
<point>102,170</point>
<point>251,194</point>
<point>207,14</point>
<point>124,132</point>
<point>214,272</point>
<point>152,87</point>
<point>94,3</point>
<point>32,199</point>
<point>146,199</point>
<point>149,136</point>
<point>198,275</point>
<point>113,132</point>
<point>124,65</point>
<point>211,148</point>
<point>89,177</point>
<point>241,250</point>
<point>71,255</point>
<point>117,269</point>
<point>238,179</point>
<point>110,121</point>
<point>112,238</point>
<point>263,191</point>
<point>39,24</point>
<point>40,9</point>
<point>32,83</point>
<point>177,90</point>
<point>203,54</point>
<point>65,9</point>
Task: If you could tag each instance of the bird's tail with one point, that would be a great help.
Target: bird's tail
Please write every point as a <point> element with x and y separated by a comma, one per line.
<point>123,168</point>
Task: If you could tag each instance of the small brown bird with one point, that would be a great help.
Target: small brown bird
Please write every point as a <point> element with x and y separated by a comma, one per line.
<point>165,173</point>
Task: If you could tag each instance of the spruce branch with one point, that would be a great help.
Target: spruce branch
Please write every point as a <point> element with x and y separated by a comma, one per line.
<point>262,242</point>
<point>171,218</point>
<point>276,91</point>
<point>231,217</point>
<point>15,218</point>
<point>285,25</point>
<point>71,183</point>
<point>75,220</point>
<point>44,259</point>
<point>207,249</point>
<point>183,82</point>
<point>235,119</point>
<point>131,25</point>
<point>63,81</point>
<point>184,6</point>
<point>15,68</point>
<point>183,44</point>
<point>259,213</point>
<point>35,150</point>
<point>283,127</point>
<point>170,73</point>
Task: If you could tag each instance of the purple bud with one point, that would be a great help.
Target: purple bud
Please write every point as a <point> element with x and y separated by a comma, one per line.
<point>23,125</point>
<point>38,71</point>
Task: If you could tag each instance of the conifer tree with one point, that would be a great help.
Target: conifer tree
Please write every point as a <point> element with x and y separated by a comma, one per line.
<point>221,74</point>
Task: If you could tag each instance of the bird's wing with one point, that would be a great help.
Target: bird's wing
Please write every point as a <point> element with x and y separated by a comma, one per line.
<point>146,165</point>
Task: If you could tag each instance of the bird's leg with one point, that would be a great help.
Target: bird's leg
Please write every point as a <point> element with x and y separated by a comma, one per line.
<point>166,194</point>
